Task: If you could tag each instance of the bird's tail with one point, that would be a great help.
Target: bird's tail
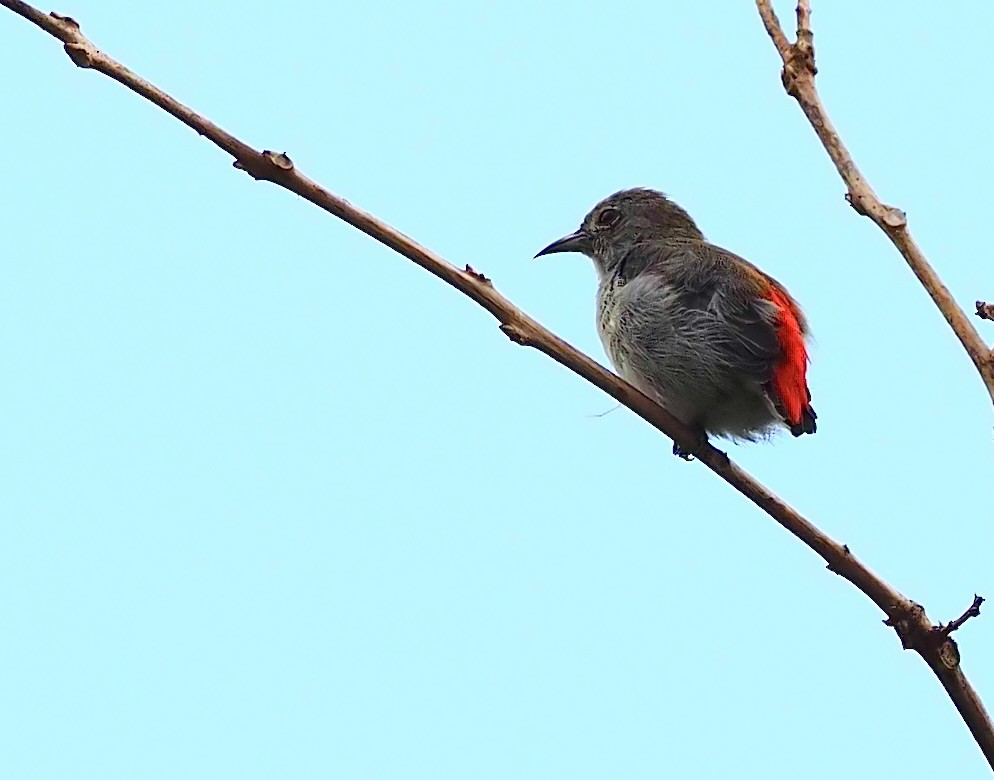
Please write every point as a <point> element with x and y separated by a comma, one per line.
<point>807,422</point>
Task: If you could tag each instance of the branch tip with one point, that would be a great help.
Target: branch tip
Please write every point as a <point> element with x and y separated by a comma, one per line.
<point>803,18</point>
<point>773,28</point>
<point>971,612</point>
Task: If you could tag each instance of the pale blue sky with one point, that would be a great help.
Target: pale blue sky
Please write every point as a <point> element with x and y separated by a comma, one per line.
<point>276,503</point>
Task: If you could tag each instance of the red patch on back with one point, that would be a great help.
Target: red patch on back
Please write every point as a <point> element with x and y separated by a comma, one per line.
<point>789,381</point>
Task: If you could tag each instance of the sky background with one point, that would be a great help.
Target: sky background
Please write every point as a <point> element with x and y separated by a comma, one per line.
<point>276,503</point>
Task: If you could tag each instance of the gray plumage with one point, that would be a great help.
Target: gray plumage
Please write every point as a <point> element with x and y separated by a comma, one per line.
<point>687,322</point>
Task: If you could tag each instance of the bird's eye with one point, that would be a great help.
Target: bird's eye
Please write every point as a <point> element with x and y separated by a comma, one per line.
<point>608,217</point>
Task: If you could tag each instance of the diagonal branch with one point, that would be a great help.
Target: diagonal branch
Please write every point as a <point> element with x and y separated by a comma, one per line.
<point>971,612</point>
<point>908,619</point>
<point>799,80</point>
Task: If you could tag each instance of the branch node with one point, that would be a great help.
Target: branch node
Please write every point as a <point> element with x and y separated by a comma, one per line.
<point>517,334</point>
<point>907,624</point>
<point>799,65</point>
<point>478,276</point>
<point>79,54</point>
<point>791,76</point>
<point>933,643</point>
<point>845,554</point>
<point>857,204</point>
<point>948,653</point>
<point>68,20</point>
<point>266,166</point>
<point>278,159</point>
<point>895,217</point>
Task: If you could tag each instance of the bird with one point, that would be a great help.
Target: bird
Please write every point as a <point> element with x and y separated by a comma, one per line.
<point>717,342</point>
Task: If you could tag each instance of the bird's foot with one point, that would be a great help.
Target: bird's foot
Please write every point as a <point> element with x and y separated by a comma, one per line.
<point>688,452</point>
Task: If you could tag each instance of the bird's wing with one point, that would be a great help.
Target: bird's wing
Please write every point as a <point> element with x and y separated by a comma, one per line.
<point>766,327</point>
<point>730,290</point>
<point>787,385</point>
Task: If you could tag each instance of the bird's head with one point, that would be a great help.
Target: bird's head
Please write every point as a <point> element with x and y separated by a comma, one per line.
<point>623,220</point>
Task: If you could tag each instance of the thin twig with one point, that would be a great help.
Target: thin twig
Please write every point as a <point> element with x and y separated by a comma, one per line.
<point>915,630</point>
<point>799,80</point>
<point>972,611</point>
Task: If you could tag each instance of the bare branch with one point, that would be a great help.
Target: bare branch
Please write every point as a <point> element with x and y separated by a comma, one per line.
<point>915,630</point>
<point>798,77</point>
<point>972,611</point>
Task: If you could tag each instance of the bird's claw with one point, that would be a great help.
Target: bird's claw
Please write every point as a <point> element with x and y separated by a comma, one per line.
<point>688,454</point>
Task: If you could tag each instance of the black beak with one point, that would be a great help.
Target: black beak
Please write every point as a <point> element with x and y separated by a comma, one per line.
<point>574,242</point>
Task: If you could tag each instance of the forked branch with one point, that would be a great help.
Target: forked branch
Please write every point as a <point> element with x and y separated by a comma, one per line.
<point>916,631</point>
<point>798,77</point>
